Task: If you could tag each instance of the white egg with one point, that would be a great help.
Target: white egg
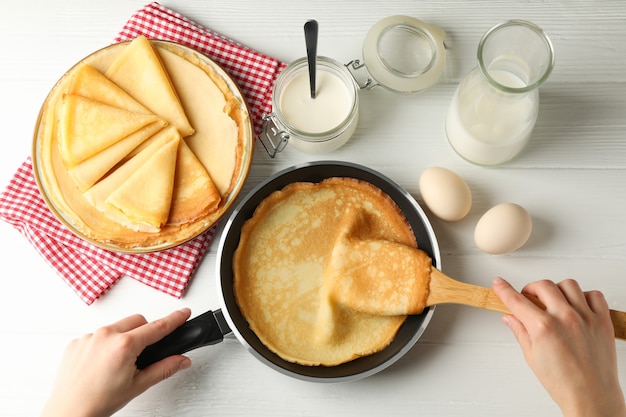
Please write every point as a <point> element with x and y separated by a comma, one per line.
<point>445,193</point>
<point>503,229</point>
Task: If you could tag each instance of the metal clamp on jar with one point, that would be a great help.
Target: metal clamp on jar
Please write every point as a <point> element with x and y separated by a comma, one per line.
<point>400,53</point>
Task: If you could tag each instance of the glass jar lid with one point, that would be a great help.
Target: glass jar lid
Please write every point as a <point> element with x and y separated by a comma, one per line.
<point>404,54</point>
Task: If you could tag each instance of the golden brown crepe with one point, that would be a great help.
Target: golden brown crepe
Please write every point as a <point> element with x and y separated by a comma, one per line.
<point>145,197</point>
<point>281,266</point>
<point>91,170</point>
<point>377,276</point>
<point>100,195</point>
<point>88,127</point>
<point>195,195</point>
<point>86,81</point>
<point>139,71</point>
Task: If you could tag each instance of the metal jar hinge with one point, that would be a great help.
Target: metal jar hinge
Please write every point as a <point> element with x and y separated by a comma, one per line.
<point>272,137</point>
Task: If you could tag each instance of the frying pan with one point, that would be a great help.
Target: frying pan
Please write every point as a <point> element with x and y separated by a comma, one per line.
<point>210,327</point>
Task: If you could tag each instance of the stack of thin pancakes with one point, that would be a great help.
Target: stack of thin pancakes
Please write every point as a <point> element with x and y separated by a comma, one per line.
<point>289,251</point>
<point>139,145</point>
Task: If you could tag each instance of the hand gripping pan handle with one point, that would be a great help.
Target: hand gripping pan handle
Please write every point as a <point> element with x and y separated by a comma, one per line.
<point>206,329</point>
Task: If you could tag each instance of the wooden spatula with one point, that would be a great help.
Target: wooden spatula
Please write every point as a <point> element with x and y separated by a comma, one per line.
<point>443,289</point>
<point>387,278</point>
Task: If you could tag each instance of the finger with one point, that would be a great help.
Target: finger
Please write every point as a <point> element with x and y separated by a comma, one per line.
<point>548,293</point>
<point>601,313</point>
<point>574,295</point>
<point>518,329</point>
<point>596,301</point>
<point>128,323</point>
<point>518,305</point>
<point>160,371</point>
<point>156,330</point>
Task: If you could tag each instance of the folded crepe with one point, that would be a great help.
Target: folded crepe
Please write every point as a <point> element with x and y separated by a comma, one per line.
<point>138,70</point>
<point>138,194</point>
<point>377,276</point>
<point>146,196</point>
<point>91,170</point>
<point>90,83</point>
<point>195,194</point>
<point>87,127</point>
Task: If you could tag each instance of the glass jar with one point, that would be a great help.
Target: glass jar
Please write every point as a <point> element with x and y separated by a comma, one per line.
<point>311,125</point>
<point>400,53</point>
<point>495,107</point>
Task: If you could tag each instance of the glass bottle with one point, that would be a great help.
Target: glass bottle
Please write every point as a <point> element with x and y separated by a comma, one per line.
<point>495,107</point>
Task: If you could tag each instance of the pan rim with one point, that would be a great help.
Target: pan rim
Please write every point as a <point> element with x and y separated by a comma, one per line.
<point>299,371</point>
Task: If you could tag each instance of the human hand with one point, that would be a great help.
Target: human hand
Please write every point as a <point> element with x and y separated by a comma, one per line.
<point>570,346</point>
<point>98,375</point>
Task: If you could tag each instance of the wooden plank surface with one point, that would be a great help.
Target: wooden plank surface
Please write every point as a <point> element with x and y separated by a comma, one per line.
<point>571,178</point>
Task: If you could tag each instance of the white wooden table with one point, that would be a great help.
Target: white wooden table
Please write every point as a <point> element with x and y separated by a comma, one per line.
<point>571,178</point>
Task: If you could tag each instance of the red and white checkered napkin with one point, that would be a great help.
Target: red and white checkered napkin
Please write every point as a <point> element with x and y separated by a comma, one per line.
<point>90,270</point>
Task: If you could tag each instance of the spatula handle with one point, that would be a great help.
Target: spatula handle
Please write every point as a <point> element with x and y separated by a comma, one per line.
<point>444,289</point>
<point>619,323</point>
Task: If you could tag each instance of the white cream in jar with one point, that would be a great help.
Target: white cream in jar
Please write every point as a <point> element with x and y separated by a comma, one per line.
<point>330,107</point>
<point>317,125</point>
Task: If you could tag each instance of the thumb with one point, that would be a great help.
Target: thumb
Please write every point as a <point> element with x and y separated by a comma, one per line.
<point>518,330</point>
<point>160,371</point>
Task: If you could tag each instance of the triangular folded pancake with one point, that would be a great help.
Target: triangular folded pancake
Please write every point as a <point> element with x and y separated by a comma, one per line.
<point>195,194</point>
<point>139,71</point>
<point>158,137</point>
<point>90,83</point>
<point>87,127</point>
<point>145,198</point>
<point>98,195</point>
<point>88,172</point>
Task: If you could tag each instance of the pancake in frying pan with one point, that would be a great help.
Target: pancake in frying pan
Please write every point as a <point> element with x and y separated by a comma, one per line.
<point>282,263</point>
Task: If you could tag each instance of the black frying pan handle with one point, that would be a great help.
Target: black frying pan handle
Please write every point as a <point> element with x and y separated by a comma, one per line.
<point>206,329</point>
